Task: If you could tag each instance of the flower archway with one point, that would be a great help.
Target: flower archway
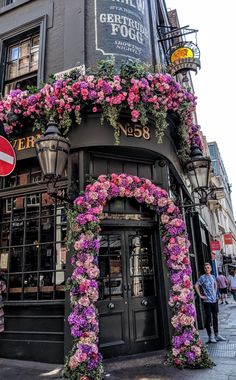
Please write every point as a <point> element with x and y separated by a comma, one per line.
<point>84,362</point>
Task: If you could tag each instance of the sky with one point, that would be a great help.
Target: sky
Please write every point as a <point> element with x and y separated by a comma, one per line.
<point>215,83</point>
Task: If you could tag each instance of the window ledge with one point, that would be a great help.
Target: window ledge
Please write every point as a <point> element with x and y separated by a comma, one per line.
<point>8,8</point>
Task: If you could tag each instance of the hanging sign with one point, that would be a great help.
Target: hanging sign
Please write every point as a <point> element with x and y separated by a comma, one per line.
<point>183,56</point>
<point>7,157</point>
<point>228,239</point>
<point>122,29</point>
<point>215,245</point>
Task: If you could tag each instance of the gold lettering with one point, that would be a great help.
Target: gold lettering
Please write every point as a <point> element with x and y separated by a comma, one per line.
<point>146,133</point>
<point>138,131</point>
<point>29,142</point>
<point>134,131</point>
<point>21,144</point>
<point>130,131</point>
<point>123,129</point>
<point>14,143</point>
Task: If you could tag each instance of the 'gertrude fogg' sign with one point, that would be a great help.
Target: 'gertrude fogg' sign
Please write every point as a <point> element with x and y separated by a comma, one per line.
<point>122,28</point>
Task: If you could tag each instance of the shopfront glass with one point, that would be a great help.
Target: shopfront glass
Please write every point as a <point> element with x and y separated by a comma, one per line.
<point>33,246</point>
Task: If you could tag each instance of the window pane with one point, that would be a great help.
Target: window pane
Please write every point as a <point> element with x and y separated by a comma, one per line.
<point>31,257</point>
<point>12,70</point>
<point>34,61</point>
<point>5,234</point>
<point>23,66</point>
<point>4,260</point>
<point>35,44</point>
<point>15,287</point>
<point>17,229</point>
<point>47,229</point>
<point>46,257</point>
<point>30,286</point>
<point>16,261</point>
<point>61,256</point>
<point>24,49</point>
<point>46,285</point>
<point>13,53</point>
<point>32,228</point>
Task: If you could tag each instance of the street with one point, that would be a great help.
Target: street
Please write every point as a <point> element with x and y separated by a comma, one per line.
<point>150,366</point>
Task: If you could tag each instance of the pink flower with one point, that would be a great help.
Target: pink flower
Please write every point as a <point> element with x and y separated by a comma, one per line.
<point>74,362</point>
<point>162,202</point>
<point>135,115</point>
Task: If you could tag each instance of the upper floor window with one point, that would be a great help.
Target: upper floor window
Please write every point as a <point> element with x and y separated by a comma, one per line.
<point>3,3</point>
<point>212,151</point>
<point>22,59</point>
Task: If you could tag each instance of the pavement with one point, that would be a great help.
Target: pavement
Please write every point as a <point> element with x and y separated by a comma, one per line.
<point>151,366</point>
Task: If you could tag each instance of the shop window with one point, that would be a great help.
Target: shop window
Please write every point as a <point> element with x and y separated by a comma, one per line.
<point>33,247</point>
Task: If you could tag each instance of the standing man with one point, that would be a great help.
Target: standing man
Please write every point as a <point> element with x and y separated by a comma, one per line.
<point>207,293</point>
<point>222,284</point>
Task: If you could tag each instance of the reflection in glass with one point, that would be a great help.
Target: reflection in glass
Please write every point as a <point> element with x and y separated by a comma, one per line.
<point>47,230</point>
<point>141,265</point>
<point>32,228</point>
<point>60,285</point>
<point>46,286</point>
<point>61,256</point>
<point>33,243</point>
<point>17,228</point>
<point>16,259</point>
<point>5,234</point>
<point>30,286</point>
<point>15,287</point>
<point>46,257</point>
<point>31,257</point>
<point>110,265</point>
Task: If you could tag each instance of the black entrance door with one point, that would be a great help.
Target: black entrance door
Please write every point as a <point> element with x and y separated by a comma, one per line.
<point>129,308</point>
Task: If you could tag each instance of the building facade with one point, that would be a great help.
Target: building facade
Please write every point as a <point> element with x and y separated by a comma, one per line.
<point>44,37</point>
<point>224,220</point>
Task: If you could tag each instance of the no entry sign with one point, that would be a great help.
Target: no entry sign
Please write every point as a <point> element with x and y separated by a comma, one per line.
<point>7,157</point>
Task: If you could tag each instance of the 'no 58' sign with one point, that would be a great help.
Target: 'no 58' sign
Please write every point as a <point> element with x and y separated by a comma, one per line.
<point>7,157</point>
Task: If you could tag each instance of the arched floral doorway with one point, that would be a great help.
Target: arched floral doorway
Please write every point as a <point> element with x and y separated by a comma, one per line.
<point>84,361</point>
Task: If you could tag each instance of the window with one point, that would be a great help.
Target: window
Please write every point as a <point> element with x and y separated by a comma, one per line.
<point>22,64</point>
<point>3,3</point>
<point>22,56</point>
<point>32,240</point>
<point>215,166</point>
<point>212,151</point>
<point>33,247</point>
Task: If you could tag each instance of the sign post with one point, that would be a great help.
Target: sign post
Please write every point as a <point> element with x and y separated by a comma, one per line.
<point>7,157</point>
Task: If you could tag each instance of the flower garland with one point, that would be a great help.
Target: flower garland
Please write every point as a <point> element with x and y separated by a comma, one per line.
<point>109,91</point>
<point>84,361</point>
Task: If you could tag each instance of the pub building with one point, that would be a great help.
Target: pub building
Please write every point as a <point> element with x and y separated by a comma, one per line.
<point>44,37</point>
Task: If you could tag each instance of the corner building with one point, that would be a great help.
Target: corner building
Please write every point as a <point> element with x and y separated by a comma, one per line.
<point>44,37</point>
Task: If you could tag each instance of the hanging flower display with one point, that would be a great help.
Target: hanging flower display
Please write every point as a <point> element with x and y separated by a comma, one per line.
<point>109,91</point>
<point>84,361</point>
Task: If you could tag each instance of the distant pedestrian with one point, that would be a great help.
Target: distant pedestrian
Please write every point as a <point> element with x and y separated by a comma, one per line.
<point>2,290</point>
<point>206,289</point>
<point>232,284</point>
<point>222,284</point>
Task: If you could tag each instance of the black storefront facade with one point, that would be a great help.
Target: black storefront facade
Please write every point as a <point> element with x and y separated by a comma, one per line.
<point>133,293</point>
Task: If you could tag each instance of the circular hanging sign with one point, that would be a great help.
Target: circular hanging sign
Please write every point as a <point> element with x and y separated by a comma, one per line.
<point>7,157</point>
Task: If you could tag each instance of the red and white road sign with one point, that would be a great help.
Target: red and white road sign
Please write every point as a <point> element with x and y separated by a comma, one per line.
<point>7,157</point>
